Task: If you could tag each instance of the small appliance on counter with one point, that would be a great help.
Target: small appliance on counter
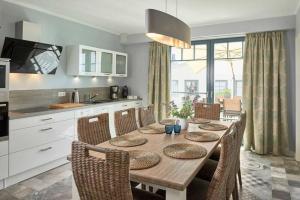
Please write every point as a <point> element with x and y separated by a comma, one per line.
<point>114,92</point>
<point>125,92</point>
<point>75,96</point>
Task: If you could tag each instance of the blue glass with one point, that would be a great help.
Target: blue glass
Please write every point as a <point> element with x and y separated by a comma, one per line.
<point>169,129</point>
<point>177,129</point>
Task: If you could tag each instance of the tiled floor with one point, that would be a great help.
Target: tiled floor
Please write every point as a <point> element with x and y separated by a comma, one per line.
<point>264,177</point>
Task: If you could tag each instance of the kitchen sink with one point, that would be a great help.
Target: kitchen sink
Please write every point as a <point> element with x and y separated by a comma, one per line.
<point>99,101</point>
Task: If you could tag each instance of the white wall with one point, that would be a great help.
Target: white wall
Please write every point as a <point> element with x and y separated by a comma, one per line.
<point>297,89</point>
<point>137,48</point>
<point>137,80</point>
<point>57,31</point>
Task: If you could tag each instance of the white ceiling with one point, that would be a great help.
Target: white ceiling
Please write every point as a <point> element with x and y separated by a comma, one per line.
<point>127,16</point>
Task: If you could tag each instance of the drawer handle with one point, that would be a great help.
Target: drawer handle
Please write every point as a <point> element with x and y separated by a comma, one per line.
<point>107,74</point>
<point>46,149</point>
<point>46,119</point>
<point>46,129</point>
<point>125,105</point>
<point>2,105</point>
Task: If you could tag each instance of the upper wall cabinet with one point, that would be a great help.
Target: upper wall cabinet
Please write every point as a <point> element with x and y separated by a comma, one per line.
<point>89,61</point>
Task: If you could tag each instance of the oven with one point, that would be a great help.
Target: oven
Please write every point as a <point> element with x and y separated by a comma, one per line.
<point>4,122</point>
<point>4,73</point>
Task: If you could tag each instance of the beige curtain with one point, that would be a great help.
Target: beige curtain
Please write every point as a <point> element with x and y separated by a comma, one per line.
<point>159,79</point>
<point>265,93</point>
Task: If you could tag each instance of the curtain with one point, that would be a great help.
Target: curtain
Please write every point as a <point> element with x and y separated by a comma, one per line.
<point>265,93</point>
<point>159,79</point>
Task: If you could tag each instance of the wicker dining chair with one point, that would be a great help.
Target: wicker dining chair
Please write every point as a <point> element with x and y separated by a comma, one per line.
<point>146,116</point>
<point>125,121</point>
<point>207,111</point>
<point>218,186</point>
<point>104,179</point>
<point>94,130</point>
<point>232,107</point>
<point>210,166</point>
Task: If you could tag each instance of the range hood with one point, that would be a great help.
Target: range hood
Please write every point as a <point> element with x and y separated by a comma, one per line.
<point>27,54</point>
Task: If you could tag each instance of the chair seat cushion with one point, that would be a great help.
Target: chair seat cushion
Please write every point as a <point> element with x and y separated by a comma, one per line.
<point>197,189</point>
<point>139,194</point>
<point>216,154</point>
<point>208,170</point>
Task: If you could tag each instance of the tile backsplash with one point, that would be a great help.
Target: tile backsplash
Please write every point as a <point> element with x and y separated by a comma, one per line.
<point>21,99</point>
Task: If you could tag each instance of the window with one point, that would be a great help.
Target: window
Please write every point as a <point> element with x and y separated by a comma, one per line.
<point>238,88</point>
<point>191,86</point>
<point>209,69</point>
<point>220,88</point>
<point>174,86</point>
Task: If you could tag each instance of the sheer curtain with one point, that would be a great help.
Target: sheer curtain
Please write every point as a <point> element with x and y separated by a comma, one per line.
<point>265,93</point>
<point>159,79</point>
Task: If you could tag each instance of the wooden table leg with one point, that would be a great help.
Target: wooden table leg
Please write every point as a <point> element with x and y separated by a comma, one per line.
<point>172,194</point>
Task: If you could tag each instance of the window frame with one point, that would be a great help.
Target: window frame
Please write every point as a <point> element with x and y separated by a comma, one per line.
<point>210,60</point>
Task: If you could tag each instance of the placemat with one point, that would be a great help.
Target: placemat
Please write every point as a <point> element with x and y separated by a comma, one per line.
<point>202,136</point>
<point>127,141</point>
<point>168,121</point>
<point>140,159</point>
<point>198,121</point>
<point>151,130</point>
<point>213,127</point>
<point>185,151</point>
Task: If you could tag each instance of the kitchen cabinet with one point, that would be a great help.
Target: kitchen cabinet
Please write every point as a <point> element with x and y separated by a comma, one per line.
<point>82,60</point>
<point>42,142</point>
<point>121,64</point>
<point>90,61</point>
<point>3,161</point>
<point>107,63</point>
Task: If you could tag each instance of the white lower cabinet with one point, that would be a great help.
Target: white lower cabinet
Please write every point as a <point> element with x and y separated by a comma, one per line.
<point>40,143</point>
<point>34,157</point>
<point>3,167</point>
<point>31,137</point>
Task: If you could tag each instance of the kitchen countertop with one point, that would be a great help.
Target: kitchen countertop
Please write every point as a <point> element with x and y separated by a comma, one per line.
<point>31,112</point>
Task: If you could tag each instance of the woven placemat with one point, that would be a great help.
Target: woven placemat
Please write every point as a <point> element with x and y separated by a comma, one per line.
<point>168,121</point>
<point>151,130</point>
<point>202,136</point>
<point>213,127</point>
<point>140,159</point>
<point>127,141</point>
<point>185,151</point>
<point>198,121</point>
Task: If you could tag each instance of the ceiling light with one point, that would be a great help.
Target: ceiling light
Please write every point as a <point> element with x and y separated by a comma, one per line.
<point>167,29</point>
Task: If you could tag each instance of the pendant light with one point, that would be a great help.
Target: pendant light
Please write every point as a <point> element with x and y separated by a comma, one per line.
<point>167,29</point>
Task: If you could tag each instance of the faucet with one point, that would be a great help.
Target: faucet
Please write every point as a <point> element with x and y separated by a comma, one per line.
<point>92,97</point>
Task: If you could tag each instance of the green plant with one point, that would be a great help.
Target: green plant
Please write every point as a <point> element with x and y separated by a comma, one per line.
<point>185,112</point>
<point>226,93</point>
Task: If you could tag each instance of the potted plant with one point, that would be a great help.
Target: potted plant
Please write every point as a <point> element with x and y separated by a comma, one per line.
<point>183,113</point>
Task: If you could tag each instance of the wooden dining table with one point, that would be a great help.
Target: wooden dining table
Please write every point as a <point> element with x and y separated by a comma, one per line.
<point>170,174</point>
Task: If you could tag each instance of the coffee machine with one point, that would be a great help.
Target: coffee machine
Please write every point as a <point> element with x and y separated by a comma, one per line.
<point>114,92</point>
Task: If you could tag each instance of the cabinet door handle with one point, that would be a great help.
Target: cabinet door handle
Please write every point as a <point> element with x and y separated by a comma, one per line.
<point>46,129</point>
<point>46,119</point>
<point>46,149</point>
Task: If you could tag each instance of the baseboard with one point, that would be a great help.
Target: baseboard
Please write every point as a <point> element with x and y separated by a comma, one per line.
<point>33,172</point>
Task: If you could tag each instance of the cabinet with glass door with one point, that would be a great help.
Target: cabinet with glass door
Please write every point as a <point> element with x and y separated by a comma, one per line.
<point>106,63</point>
<point>121,64</point>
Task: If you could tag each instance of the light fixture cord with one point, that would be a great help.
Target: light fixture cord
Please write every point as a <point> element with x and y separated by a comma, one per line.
<point>176,8</point>
<point>166,8</point>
